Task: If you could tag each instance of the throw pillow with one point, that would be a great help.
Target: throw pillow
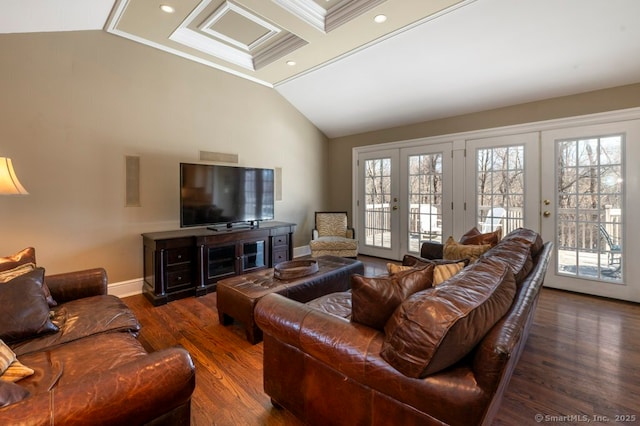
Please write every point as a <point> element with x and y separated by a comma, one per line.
<point>11,393</point>
<point>10,274</point>
<point>25,311</point>
<point>392,268</point>
<point>16,371</point>
<point>11,370</point>
<point>475,237</point>
<point>435,328</point>
<point>410,260</point>
<point>27,255</point>
<point>431,250</point>
<point>373,299</point>
<point>6,357</point>
<point>20,263</point>
<point>443,272</point>
<point>454,250</point>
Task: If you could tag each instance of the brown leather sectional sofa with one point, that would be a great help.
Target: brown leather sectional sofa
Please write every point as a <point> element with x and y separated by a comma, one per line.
<point>93,370</point>
<point>444,357</point>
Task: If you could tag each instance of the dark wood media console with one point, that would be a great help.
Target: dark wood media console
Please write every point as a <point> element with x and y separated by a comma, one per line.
<point>190,261</point>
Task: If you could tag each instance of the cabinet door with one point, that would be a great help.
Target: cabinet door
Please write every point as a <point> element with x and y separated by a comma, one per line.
<point>220,262</point>
<point>254,255</point>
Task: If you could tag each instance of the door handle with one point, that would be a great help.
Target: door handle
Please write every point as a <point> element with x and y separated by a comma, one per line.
<point>394,208</point>
<point>546,213</point>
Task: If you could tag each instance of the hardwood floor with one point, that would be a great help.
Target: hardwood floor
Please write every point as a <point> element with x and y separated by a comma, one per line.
<point>581,361</point>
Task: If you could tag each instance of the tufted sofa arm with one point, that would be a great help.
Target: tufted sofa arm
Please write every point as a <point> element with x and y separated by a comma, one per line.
<point>130,394</point>
<point>78,284</point>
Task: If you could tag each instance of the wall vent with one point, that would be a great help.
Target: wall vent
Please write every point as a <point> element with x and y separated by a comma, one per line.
<point>219,157</point>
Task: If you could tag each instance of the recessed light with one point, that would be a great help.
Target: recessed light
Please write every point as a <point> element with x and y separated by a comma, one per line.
<point>166,8</point>
<point>380,18</point>
<point>291,63</point>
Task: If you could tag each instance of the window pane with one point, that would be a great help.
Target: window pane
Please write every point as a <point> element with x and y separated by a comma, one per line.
<point>377,219</point>
<point>590,207</point>
<point>425,200</point>
<point>500,188</point>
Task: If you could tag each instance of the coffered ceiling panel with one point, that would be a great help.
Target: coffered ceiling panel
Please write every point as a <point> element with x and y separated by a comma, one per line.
<point>234,34</point>
<point>267,41</point>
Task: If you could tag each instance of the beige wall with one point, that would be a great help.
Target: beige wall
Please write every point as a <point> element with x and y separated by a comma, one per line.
<point>340,150</point>
<point>74,104</point>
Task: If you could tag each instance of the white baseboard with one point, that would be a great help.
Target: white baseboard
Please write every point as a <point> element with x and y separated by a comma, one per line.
<point>301,251</point>
<point>126,288</point>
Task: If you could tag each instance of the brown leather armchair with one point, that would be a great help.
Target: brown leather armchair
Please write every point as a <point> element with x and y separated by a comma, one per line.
<point>94,370</point>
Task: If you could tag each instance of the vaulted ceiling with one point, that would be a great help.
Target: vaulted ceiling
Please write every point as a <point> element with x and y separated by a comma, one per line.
<point>350,74</point>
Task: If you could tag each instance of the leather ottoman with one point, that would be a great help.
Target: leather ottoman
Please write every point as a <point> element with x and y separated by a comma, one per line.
<point>237,296</point>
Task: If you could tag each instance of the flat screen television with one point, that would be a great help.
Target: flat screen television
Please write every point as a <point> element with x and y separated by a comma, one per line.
<point>213,195</point>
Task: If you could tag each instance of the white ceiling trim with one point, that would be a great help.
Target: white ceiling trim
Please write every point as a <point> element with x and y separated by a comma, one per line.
<point>307,10</point>
<point>288,44</point>
<point>205,44</point>
<point>346,11</point>
<point>326,20</point>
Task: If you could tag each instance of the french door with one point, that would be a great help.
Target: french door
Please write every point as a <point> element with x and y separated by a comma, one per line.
<point>377,212</point>
<point>503,186</point>
<point>404,198</point>
<point>586,209</point>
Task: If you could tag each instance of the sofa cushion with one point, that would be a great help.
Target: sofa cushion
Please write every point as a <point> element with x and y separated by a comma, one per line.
<point>80,360</point>
<point>529,236</point>
<point>454,251</point>
<point>475,237</point>
<point>21,263</point>
<point>334,243</point>
<point>337,304</point>
<point>81,318</point>
<point>517,254</point>
<point>374,299</point>
<point>10,393</point>
<point>25,309</point>
<point>437,327</point>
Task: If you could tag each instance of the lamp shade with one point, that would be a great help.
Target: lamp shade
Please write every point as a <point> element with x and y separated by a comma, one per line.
<point>9,183</point>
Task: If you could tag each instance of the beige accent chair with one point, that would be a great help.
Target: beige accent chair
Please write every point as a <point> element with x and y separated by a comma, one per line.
<point>333,236</point>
